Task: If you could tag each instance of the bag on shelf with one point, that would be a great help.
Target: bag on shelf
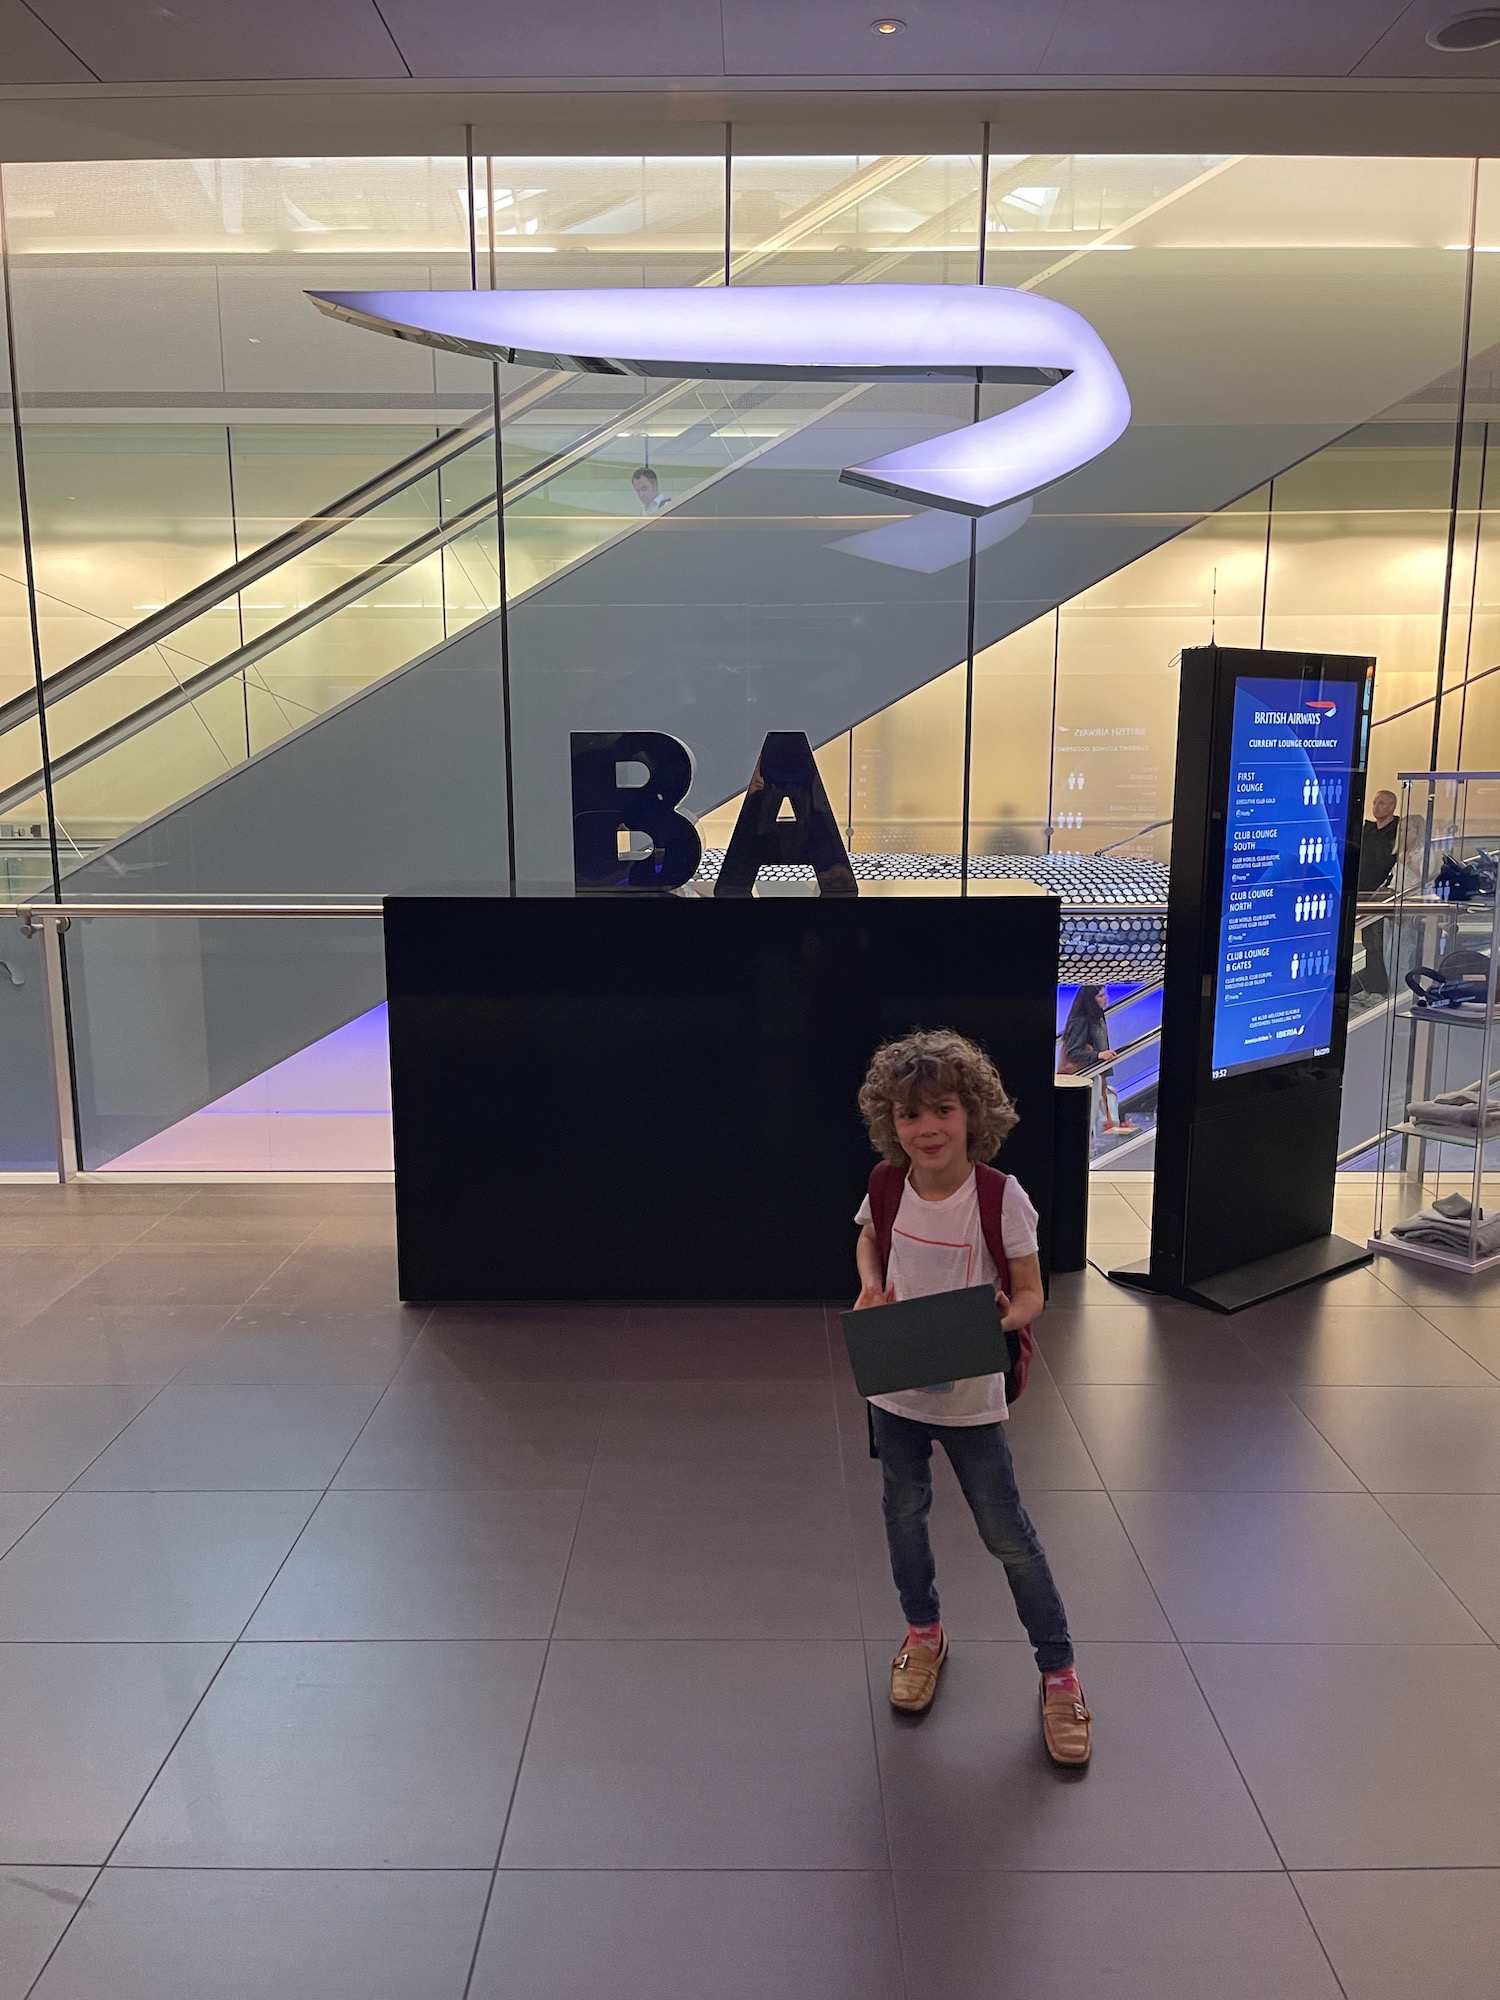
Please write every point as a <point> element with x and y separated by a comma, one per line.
<point>1466,881</point>
<point>1460,978</point>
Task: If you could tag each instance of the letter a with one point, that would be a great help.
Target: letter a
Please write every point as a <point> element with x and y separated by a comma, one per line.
<point>785,772</point>
<point>604,807</point>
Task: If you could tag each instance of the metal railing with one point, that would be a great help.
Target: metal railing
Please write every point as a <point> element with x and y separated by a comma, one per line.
<point>47,921</point>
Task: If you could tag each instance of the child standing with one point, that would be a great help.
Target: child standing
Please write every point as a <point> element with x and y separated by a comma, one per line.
<point>937,1218</point>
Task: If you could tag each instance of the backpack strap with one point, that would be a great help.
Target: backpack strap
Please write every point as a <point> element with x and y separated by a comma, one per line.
<point>887,1185</point>
<point>990,1185</point>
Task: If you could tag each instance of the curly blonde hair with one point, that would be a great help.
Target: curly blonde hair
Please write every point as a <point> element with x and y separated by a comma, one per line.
<point>924,1066</point>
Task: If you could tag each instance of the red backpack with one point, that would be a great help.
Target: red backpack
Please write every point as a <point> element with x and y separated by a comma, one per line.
<point>887,1184</point>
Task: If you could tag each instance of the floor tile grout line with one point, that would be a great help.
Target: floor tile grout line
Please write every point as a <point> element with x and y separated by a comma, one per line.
<point>114,1440</point>
<point>327,1489</point>
<point>1452,1343</point>
<point>1260,1814</point>
<point>1482,1644</point>
<point>198,1704</point>
<point>1488,1868</point>
<point>864,1663</point>
<point>1333,1971</point>
<point>1426,1561</point>
<point>536,1693</point>
<point>815,1869</point>
<point>1284,1395</point>
<point>117,1249</point>
<point>39,1519</point>
<point>1183,1654</point>
<point>73,1916</point>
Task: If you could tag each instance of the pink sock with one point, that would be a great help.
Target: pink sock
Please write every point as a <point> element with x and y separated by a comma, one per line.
<point>930,1636</point>
<point>1064,1681</point>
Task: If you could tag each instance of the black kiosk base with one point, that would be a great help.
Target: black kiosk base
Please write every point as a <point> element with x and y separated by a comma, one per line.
<point>1271,752</point>
<point>1252,1284</point>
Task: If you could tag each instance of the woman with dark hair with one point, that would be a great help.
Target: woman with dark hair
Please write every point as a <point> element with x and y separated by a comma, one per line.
<point>1085,1045</point>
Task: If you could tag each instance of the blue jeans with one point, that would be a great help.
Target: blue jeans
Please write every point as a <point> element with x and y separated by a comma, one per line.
<point>980,1458</point>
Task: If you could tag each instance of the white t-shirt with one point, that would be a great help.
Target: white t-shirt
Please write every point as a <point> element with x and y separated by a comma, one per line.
<point>939,1246</point>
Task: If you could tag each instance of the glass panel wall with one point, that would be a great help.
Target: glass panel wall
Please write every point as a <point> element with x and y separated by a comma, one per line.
<point>268,550</point>
<point>28,1134</point>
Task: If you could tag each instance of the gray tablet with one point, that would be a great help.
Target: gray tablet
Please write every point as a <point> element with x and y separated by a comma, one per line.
<point>920,1343</point>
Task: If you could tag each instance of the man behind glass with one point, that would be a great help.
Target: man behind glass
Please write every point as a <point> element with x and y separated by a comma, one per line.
<point>1377,859</point>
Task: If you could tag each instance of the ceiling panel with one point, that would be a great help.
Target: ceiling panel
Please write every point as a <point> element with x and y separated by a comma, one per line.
<point>1404,51</point>
<point>604,38</point>
<point>201,41</point>
<point>834,37</point>
<point>1310,38</point>
<point>31,53</point>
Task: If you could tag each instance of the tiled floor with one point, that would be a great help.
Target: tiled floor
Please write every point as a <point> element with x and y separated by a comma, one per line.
<point>356,1652</point>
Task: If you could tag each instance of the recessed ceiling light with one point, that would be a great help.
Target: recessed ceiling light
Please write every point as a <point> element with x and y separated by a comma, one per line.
<point>887,25</point>
<point>1468,33</point>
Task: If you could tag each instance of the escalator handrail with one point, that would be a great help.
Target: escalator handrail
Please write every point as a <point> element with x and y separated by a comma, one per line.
<point>206,596</point>
<point>1119,1055</point>
<point>397,478</point>
<point>64,763</point>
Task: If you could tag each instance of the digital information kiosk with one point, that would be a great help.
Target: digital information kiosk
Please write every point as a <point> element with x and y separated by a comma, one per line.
<point>1271,754</point>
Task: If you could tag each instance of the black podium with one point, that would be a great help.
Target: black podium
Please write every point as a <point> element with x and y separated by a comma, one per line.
<point>641,1096</point>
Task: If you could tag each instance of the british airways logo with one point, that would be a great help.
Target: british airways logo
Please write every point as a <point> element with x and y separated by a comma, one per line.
<point>817,332</point>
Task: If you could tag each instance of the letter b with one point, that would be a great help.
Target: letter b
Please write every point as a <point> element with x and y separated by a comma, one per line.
<point>606,803</point>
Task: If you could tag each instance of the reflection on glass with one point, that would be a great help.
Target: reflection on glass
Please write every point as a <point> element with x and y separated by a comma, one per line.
<point>1238,293</point>
<point>892,218</point>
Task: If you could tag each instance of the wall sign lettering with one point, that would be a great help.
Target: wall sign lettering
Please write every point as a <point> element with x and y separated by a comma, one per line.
<point>629,783</point>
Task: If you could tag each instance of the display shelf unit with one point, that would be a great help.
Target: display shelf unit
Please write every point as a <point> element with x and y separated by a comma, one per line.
<point>1445,919</point>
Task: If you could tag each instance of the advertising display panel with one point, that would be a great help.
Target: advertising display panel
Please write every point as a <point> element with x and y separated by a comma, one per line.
<point>1267,803</point>
<point>1291,759</point>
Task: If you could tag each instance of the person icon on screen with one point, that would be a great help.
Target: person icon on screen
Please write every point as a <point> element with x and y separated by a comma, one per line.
<point>1294,965</point>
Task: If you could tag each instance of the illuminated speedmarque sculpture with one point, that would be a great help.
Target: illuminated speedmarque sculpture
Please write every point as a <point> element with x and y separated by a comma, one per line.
<point>816,332</point>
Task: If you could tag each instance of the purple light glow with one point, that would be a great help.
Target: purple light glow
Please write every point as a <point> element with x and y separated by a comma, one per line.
<point>830,332</point>
<point>326,1109</point>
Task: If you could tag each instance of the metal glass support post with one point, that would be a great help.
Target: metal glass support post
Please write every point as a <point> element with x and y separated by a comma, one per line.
<point>48,926</point>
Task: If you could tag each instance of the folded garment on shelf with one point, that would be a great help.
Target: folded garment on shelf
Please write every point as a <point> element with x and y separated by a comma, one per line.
<point>1458,1108</point>
<point>1438,1231</point>
<point>1457,1208</point>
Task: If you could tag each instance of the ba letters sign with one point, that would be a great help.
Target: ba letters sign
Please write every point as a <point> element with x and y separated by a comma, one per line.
<point>631,782</point>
